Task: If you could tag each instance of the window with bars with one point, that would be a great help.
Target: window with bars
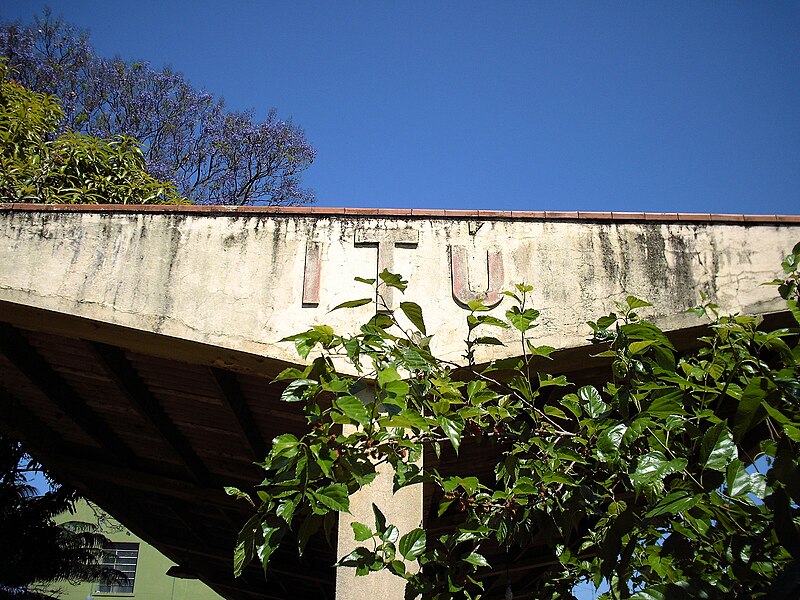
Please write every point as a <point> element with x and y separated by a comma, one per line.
<point>122,557</point>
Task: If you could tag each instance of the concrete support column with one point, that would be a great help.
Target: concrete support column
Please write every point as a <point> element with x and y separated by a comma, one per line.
<point>403,509</point>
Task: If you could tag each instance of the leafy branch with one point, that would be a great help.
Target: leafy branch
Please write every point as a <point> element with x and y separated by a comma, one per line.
<point>646,484</point>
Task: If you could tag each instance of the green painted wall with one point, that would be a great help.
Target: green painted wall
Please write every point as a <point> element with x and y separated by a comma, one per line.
<point>151,581</point>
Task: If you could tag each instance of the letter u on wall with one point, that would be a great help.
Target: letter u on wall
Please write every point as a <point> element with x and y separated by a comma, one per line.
<point>464,290</point>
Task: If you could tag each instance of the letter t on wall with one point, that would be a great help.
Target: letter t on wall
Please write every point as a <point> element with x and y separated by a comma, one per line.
<point>387,240</point>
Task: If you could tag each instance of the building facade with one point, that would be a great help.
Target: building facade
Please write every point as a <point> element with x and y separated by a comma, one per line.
<point>145,567</point>
<point>140,344</point>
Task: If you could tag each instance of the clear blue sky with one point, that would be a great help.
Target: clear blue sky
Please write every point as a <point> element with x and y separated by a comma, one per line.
<point>640,106</point>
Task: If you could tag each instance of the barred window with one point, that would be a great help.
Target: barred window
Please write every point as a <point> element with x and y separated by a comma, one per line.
<point>122,557</point>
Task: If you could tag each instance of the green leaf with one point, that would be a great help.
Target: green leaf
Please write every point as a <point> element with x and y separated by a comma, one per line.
<point>303,342</point>
<point>609,441</point>
<point>286,510</point>
<point>512,295</point>
<point>294,392</point>
<point>361,531</point>
<point>380,519</point>
<point>545,380</point>
<point>469,484</point>
<point>617,508</point>
<point>413,312</point>
<point>651,468</point>
<point>634,302</point>
<point>544,351</point>
<point>752,397</point>
<point>245,548</point>
<point>386,375</point>
<point>338,386</point>
<point>407,419</point>
<point>488,341</point>
<point>353,303</point>
<point>477,306</point>
<point>333,496</point>
<point>353,349</point>
<point>654,592</point>
<point>592,402</point>
<point>393,280</point>
<point>476,559</point>
<point>667,405</point>
<point>239,494</point>
<point>673,504</point>
<point>271,538</point>
<point>396,392</point>
<point>643,330</point>
<point>391,535</point>
<point>290,373</point>
<point>717,449</point>
<point>412,544</point>
<point>308,527</point>
<point>522,320</point>
<point>353,408</point>
<point>607,321</point>
<point>452,429</point>
<point>381,321</point>
<point>473,321</point>
<point>555,412</point>
<point>638,347</point>
<point>398,567</point>
<point>794,308</point>
<point>365,280</point>
<point>776,414</point>
<point>284,445</point>
<point>414,361</point>
<point>741,483</point>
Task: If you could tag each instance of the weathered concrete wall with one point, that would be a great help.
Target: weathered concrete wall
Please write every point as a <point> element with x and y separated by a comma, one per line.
<point>244,281</point>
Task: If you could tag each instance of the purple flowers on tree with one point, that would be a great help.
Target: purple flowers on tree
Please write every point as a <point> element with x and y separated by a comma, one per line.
<point>212,155</point>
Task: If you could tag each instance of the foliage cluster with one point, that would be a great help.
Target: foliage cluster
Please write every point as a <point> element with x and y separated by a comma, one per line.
<point>211,155</point>
<point>680,478</point>
<point>36,165</point>
<point>36,551</point>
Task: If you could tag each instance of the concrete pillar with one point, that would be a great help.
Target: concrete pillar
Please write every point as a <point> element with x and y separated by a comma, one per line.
<point>403,509</point>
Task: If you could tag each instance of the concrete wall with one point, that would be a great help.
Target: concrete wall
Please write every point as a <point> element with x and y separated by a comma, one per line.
<point>245,280</point>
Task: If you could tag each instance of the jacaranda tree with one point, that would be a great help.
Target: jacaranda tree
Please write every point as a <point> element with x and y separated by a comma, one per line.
<point>677,478</point>
<point>212,155</point>
<point>39,165</point>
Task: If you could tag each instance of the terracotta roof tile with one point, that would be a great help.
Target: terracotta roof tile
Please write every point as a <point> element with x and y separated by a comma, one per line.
<point>560,215</point>
<point>528,214</point>
<point>401,212</point>
<point>595,216</point>
<point>660,216</point>
<point>694,217</point>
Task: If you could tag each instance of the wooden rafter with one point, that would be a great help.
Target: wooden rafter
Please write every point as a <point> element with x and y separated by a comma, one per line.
<point>274,569</point>
<point>124,375</point>
<point>41,375</point>
<point>148,483</point>
<point>22,424</point>
<point>229,387</point>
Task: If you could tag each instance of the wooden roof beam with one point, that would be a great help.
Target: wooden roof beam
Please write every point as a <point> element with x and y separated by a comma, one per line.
<point>229,387</point>
<point>21,424</point>
<point>124,375</point>
<point>41,375</point>
<point>305,575</point>
<point>149,483</point>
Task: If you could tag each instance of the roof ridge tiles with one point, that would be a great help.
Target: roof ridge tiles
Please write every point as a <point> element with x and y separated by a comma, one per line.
<point>223,210</point>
